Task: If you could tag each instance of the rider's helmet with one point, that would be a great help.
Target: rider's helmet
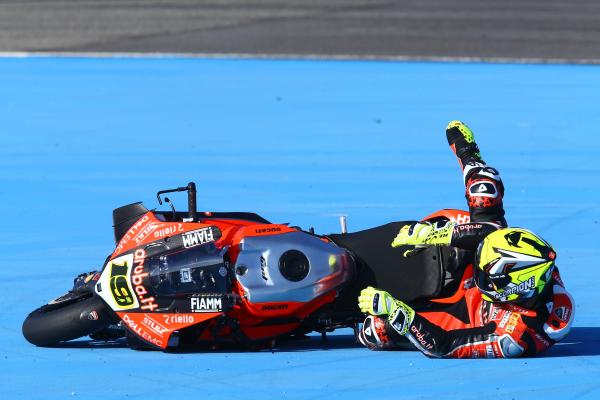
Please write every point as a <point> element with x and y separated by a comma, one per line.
<point>513,264</point>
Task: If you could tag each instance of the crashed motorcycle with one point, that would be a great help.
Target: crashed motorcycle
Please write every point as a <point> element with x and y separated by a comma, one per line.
<point>191,279</point>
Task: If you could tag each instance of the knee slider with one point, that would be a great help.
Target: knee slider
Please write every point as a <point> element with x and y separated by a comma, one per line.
<point>484,186</point>
<point>373,334</point>
<point>482,193</point>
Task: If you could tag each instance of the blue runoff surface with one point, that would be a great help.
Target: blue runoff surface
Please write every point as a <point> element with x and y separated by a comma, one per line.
<point>300,142</point>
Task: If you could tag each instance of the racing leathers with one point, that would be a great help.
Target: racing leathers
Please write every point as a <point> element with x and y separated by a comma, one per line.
<point>464,325</point>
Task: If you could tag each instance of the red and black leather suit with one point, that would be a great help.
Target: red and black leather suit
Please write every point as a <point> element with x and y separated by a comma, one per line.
<point>464,325</point>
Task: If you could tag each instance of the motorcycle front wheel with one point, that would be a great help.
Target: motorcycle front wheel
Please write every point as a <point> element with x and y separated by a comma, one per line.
<point>60,322</point>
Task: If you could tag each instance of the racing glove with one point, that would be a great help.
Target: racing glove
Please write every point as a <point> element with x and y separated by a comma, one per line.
<point>376,302</point>
<point>401,318</point>
<point>421,234</point>
<point>379,302</point>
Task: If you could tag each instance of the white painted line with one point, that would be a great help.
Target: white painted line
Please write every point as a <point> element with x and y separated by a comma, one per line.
<point>284,56</point>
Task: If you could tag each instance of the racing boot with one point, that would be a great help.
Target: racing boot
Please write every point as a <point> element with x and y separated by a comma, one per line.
<point>462,142</point>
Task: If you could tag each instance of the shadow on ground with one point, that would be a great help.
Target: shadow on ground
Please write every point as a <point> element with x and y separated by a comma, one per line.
<point>305,343</point>
<point>582,341</point>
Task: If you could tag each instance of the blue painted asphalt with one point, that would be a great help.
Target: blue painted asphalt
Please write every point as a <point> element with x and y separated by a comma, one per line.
<point>299,142</point>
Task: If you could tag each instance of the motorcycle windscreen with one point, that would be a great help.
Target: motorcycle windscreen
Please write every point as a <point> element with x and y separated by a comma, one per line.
<point>184,272</point>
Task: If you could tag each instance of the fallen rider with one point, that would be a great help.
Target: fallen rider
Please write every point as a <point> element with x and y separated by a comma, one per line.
<point>511,301</point>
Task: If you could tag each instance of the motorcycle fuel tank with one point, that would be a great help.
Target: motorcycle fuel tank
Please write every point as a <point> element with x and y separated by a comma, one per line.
<point>290,267</point>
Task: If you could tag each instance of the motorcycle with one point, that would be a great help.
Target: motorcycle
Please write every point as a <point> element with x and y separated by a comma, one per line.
<point>187,279</point>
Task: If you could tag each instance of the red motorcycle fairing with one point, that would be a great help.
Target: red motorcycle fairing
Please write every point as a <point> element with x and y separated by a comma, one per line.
<point>132,282</point>
<point>157,328</point>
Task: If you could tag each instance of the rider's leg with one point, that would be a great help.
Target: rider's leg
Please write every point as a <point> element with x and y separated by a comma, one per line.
<point>462,142</point>
<point>376,336</point>
<point>484,188</point>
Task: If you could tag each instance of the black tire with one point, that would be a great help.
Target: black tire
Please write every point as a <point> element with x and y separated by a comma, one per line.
<point>54,323</point>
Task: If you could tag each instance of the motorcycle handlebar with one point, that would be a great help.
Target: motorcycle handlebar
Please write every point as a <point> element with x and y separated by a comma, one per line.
<point>191,191</point>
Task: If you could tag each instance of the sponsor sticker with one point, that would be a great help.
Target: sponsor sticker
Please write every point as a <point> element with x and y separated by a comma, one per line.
<point>132,232</point>
<point>153,325</point>
<point>145,232</point>
<point>198,237</point>
<point>267,230</point>
<point>494,314</point>
<point>147,227</point>
<point>512,323</point>
<point>171,319</point>
<point>206,304</point>
<point>520,288</point>
<point>156,328</point>
<point>504,319</point>
<point>274,307</point>
<point>137,279</point>
<point>467,227</point>
<point>140,331</point>
<point>168,230</point>
<point>463,218</point>
<point>420,338</point>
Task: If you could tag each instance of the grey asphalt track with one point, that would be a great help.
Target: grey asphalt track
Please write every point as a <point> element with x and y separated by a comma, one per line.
<point>544,29</point>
